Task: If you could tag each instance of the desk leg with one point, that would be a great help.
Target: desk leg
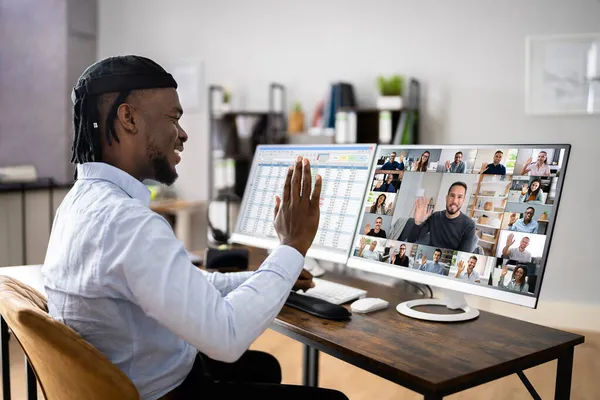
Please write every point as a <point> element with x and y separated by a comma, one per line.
<point>31,381</point>
<point>432,397</point>
<point>564,372</point>
<point>310,368</point>
<point>4,354</point>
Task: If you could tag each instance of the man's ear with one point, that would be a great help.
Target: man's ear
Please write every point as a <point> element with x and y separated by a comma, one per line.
<point>126,117</point>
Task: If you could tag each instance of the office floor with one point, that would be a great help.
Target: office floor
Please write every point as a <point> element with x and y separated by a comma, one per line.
<point>361,385</point>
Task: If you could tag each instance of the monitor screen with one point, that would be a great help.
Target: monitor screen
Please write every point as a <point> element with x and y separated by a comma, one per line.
<point>346,171</point>
<point>475,219</point>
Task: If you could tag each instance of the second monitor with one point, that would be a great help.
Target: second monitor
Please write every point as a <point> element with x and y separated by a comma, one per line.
<point>469,219</point>
<point>345,169</point>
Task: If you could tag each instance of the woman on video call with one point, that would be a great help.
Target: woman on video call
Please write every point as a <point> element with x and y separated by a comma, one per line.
<point>517,283</point>
<point>537,168</point>
<point>423,162</point>
<point>532,193</point>
<point>379,206</point>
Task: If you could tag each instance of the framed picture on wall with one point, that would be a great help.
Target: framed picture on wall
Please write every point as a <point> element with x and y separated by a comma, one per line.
<point>189,74</point>
<point>563,74</point>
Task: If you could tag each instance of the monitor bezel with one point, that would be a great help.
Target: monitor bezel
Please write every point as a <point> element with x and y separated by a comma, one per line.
<point>270,244</point>
<point>485,291</point>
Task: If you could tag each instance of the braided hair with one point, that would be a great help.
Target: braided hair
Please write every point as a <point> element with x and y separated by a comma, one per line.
<point>113,77</point>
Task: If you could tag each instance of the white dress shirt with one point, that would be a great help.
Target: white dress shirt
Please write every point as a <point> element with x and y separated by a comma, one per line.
<point>473,278</point>
<point>115,273</point>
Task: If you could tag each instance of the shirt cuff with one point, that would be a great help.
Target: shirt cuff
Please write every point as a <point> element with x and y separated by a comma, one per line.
<point>285,260</point>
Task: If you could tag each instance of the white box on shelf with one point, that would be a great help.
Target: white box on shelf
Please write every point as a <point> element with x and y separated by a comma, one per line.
<point>385,127</point>
<point>18,174</point>
<point>389,102</point>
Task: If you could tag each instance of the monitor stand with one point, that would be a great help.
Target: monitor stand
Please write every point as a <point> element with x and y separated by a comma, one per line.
<point>452,300</point>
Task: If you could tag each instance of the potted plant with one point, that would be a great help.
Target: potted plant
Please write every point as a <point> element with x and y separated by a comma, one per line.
<point>226,105</point>
<point>296,119</point>
<point>390,92</point>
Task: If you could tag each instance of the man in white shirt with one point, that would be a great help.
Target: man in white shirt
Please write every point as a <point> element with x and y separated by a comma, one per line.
<point>369,253</point>
<point>470,275</point>
<point>116,274</point>
<point>516,253</point>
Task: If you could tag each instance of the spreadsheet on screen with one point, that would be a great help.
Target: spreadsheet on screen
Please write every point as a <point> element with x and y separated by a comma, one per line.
<point>345,171</point>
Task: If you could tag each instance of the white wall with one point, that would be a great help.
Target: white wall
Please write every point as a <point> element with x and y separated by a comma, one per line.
<point>469,56</point>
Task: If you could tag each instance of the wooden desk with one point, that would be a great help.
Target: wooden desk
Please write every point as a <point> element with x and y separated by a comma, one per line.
<point>435,359</point>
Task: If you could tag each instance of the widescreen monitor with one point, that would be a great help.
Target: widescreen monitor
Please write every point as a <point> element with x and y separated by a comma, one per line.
<point>474,219</point>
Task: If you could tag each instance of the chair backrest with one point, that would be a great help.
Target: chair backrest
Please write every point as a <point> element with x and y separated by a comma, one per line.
<point>66,366</point>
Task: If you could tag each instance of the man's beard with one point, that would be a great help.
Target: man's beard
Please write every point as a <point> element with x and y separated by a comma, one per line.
<point>452,213</point>
<point>163,172</point>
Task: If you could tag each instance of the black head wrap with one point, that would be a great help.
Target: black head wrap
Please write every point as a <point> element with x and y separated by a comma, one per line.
<point>120,75</point>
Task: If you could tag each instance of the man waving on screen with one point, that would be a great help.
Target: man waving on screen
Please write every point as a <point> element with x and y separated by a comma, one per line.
<point>448,229</point>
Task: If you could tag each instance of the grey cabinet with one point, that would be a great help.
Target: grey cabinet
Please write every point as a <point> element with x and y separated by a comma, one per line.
<point>25,224</point>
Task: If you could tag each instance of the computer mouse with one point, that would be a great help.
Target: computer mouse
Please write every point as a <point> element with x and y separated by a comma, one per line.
<point>368,304</point>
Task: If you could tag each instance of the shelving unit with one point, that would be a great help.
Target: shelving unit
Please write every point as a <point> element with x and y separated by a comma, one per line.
<point>367,123</point>
<point>368,119</point>
<point>231,151</point>
<point>492,193</point>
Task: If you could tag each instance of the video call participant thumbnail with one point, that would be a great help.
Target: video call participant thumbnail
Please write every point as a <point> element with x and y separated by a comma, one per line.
<point>399,257</point>
<point>526,224</point>
<point>422,163</point>
<point>434,267</point>
<point>495,167</point>
<point>387,186</point>
<point>518,280</point>
<point>470,275</point>
<point>457,166</point>
<point>449,229</point>
<point>518,253</point>
<point>392,166</point>
<point>379,206</point>
<point>376,231</point>
<point>370,252</point>
<point>537,168</point>
<point>532,193</point>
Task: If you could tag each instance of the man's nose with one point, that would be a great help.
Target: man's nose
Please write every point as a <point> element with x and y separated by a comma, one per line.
<point>183,136</point>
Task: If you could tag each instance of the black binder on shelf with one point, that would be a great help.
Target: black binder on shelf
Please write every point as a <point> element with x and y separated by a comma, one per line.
<point>341,95</point>
<point>407,131</point>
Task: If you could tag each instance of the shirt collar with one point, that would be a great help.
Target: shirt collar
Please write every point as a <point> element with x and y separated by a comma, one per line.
<point>102,171</point>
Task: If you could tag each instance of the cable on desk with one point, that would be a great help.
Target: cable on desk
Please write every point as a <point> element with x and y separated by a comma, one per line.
<point>430,291</point>
<point>421,290</point>
<point>415,285</point>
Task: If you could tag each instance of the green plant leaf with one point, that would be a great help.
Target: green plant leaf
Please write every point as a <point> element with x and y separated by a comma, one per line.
<point>393,86</point>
